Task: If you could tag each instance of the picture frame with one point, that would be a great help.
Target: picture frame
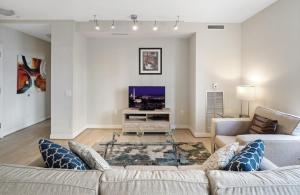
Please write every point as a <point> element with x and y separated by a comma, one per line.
<point>150,61</point>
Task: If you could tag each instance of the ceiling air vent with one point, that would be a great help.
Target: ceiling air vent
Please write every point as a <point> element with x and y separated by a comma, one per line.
<point>218,27</point>
<point>119,34</point>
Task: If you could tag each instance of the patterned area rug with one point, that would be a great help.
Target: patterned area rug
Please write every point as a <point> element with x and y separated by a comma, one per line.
<point>154,154</point>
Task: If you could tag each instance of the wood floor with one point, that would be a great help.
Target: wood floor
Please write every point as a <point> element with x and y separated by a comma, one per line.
<point>22,146</point>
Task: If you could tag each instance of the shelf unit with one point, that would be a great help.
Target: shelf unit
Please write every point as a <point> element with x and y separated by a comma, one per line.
<point>146,120</point>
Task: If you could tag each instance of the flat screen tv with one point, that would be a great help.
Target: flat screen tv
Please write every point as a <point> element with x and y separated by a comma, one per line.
<point>146,97</point>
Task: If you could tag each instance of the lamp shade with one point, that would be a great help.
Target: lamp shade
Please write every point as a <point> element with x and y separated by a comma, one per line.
<point>246,92</point>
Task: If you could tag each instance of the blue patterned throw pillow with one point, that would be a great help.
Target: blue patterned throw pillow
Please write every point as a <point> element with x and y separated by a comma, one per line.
<point>249,158</point>
<point>56,156</point>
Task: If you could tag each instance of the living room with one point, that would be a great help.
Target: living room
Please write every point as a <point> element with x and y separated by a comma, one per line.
<point>143,98</point>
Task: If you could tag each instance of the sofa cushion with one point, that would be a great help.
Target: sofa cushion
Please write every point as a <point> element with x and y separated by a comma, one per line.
<point>17,179</point>
<point>136,182</point>
<point>262,125</point>
<point>220,158</point>
<point>222,140</point>
<point>287,124</point>
<point>93,159</point>
<point>276,182</point>
<point>245,139</point>
<point>249,158</point>
<point>56,156</point>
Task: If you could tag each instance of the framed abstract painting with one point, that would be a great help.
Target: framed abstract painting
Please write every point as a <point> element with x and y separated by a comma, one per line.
<point>150,61</point>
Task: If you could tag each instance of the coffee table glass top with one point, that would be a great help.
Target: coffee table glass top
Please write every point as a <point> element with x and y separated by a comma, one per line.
<point>139,144</point>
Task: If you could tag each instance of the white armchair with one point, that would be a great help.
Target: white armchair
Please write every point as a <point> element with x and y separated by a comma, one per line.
<point>282,148</point>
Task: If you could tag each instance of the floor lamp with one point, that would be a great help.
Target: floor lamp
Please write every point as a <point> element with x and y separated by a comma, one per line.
<point>245,93</point>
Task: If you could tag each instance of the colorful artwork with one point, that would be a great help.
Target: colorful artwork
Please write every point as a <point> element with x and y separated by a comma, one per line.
<point>31,74</point>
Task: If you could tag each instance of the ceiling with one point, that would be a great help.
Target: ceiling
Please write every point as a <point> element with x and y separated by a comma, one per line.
<point>41,31</point>
<point>205,11</point>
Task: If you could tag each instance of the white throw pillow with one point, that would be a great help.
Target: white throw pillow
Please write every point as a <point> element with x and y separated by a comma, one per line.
<point>89,156</point>
<point>221,157</point>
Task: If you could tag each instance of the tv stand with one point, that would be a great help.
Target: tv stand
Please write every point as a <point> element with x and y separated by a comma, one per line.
<point>135,120</point>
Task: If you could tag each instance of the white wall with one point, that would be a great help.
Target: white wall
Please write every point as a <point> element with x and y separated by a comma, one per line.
<point>271,56</point>
<point>22,110</point>
<point>79,84</point>
<point>62,52</point>
<point>112,66</point>
<point>68,111</point>
<point>190,66</point>
<point>192,82</point>
<point>217,60</point>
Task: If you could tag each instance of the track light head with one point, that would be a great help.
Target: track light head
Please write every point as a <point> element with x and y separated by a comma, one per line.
<point>134,17</point>
<point>176,26</point>
<point>95,21</point>
<point>97,27</point>
<point>113,26</point>
<point>155,27</point>
<point>135,27</point>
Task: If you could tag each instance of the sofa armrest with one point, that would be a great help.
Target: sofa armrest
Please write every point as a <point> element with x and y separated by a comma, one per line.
<point>229,126</point>
<point>280,149</point>
<point>266,164</point>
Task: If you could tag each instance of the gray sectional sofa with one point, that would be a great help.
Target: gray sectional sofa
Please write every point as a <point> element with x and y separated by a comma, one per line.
<point>282,148</point>
<point>147,180</point>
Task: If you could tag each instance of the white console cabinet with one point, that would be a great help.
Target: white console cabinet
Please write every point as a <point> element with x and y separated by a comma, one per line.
<point>146,120</point>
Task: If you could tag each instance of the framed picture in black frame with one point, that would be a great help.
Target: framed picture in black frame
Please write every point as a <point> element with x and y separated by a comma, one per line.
<point>150,61</point>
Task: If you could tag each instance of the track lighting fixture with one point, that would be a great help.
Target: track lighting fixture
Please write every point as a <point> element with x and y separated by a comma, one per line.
<point>113,26</point>
<point>176,26</point>
<point>95,21</point>
<point>155,27</point>
<point>135,27</point>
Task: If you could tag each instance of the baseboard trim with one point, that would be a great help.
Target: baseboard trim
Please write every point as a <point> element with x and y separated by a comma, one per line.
<point>93,126</point>
<point>200,134</point>
<point>68,135</point>
<point>12,130</point>
<point>79,131</point>
<point>97,126</point>
<point>182,127</point>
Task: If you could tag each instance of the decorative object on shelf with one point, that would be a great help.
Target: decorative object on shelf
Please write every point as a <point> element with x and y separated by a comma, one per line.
<point>246,93</point>
<point>31,71</point>
<point>150,61</point>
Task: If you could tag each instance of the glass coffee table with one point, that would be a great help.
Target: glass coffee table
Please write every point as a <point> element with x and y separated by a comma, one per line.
<point>140,149</point>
